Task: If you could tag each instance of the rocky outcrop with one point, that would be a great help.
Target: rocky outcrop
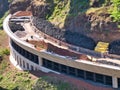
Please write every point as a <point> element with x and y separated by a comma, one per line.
<point>96,3</point>
<point>3,7</point>
<point>73,16</point>
<point>66,36</point>
<point>100,26</point>
<point>19,5</point>
<point>91,22</point>
<point>101,22</point>
<point>41,8</point>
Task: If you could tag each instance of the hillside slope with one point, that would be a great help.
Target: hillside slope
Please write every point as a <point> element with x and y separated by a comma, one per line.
<point>89,17</point>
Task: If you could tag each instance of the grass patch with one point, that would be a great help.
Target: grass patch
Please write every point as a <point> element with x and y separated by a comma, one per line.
<point>52,83</point>
<point>17,80</point>
<point>60,12</point>
<point>3,65</point>
<point>4,51</point>
<point>2,19</point>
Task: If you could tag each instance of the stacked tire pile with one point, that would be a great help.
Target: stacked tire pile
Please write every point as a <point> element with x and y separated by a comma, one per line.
<point>66,36</point>
<point>114,47</point>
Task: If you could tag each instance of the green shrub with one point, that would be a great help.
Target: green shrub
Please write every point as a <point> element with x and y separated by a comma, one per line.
<point>115,10</point>
<point>6,52</point>
<point>2,19</point>
<point>1,77</point>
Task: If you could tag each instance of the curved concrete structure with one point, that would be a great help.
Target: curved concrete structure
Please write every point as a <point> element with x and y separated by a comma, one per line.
<point>26,56</point>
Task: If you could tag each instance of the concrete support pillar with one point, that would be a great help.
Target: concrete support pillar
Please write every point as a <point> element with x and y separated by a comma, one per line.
<point>40,61</point>
<point>114,82</point>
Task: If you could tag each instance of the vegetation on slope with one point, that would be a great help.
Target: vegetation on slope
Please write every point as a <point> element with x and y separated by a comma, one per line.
<point>19,80</point>
<point>82,16</point>
<point>2,19</point>
<point>52,83</point>
<point>4,50</point>
<point>115,10</point>
<point>13,79</point>
<point>60,12</point>
<point>63,9</point>
<point>4,12</point>
<point>16,80</point>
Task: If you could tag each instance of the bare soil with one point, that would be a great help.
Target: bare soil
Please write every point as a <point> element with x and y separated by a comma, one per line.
<point>3,39</point>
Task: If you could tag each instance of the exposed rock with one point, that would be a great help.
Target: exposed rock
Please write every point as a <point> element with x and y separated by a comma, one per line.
<point>74,17</point>
<point>41,8</point>
<point>96,3</point>
<point>91,22</point>
<point>101,22</point>
<point>66,36</point>
<point>79,24</point>
<point>19,5</point>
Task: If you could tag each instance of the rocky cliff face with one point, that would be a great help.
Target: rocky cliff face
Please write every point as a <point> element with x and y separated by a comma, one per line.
<point>89,17</point>
<point>39,8</point>
<point>19,5</point>
<point>3,7</point>
<point>85,23</point>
